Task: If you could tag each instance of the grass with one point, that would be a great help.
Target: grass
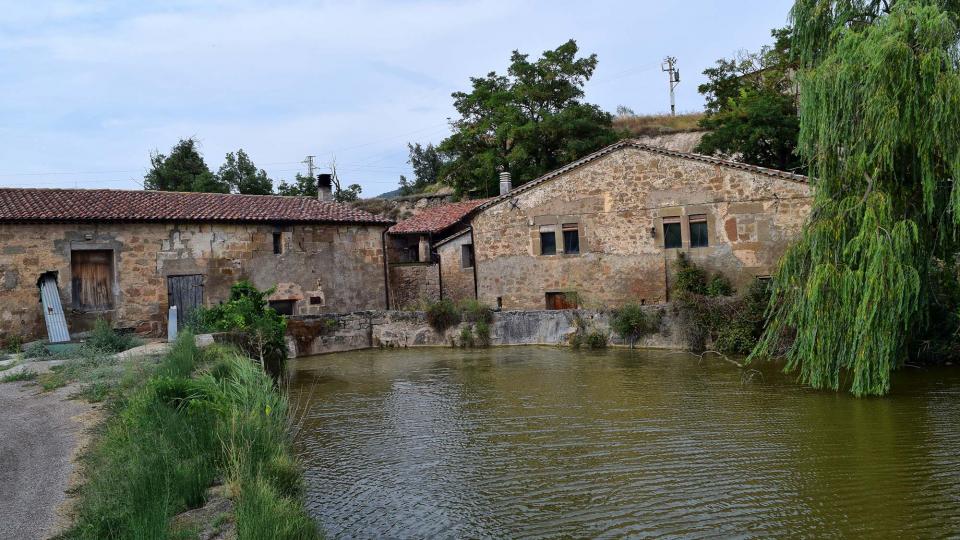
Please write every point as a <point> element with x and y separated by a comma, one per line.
<point>658,124</point>
<point>201,416</point>
<point>23,375</point>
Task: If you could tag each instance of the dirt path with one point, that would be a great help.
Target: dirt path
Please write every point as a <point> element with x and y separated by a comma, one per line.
<point>40,435</point>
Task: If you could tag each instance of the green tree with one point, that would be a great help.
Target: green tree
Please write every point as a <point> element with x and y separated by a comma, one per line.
<point>302,185</point>
<point>751,109</point>
<point>427,162</point>
<point>529,122</point>
<point>239,172</point>
<point>879,110</point>
<point>183,170</point>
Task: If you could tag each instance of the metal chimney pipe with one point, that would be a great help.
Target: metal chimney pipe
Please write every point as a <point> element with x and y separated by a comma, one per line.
<point>506,183</point>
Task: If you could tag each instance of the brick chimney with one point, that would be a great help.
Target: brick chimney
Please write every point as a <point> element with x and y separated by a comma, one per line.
<point>325,187</point>
<point>506,184</point>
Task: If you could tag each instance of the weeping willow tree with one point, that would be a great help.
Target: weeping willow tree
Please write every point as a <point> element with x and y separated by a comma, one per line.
<point>880,130</point>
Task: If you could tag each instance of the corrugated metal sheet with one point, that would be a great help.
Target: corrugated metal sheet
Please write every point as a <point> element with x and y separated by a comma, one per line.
<point>53,310</point>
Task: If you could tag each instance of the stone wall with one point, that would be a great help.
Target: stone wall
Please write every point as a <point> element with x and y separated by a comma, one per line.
<point>413,284</point>
<point>457,278</point>
<point>323,268</point>
<point>618,203</point>
<point>361,330</point>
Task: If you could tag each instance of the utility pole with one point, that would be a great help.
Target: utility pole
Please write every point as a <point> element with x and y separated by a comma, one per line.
<point>670,66</point>
<point>309,162</point>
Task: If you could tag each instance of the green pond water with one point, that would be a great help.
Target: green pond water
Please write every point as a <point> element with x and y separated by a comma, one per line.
<point>546,442</point>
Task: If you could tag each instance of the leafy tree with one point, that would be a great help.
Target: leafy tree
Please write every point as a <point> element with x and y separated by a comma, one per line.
<point>879,110</point>
<point>427,162</point>
<point>303,185</point>
<point>530,121</point>
<point>239,172</point>
<point>183,170</point>
<point>751,110</point>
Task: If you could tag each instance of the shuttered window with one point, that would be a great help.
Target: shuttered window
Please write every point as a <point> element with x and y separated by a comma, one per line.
<point>92,279</point>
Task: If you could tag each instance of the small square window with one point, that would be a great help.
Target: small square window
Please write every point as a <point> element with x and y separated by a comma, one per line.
<point>466,256</point>
<point>672,237</point>
<point>548,241</point>
<point>698,231</point>
<point>571,238</point>
<point>283,307</point>
<point>277,243</point>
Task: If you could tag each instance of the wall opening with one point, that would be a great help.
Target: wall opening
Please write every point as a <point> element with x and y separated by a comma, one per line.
<point>277,243</point>
<point>672,235</point>
<point>283,307</point>
<point>91,274</point>
<point>548,240</point>
<point>571,238</point>
<point>561,300</point>
<point>466,256</point>
<point>698,231</point>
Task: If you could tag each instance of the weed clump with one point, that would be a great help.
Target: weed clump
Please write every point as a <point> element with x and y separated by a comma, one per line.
<point>632,322</point>
<point>442,315</point>
<point>105,338</point>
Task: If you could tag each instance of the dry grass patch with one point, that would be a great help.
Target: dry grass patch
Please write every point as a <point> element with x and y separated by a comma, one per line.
<point>658,124</point>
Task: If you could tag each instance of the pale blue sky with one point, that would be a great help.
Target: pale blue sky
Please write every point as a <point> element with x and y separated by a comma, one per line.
<point>89,88</point>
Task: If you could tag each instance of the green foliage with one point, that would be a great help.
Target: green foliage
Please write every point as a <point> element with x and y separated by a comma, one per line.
<point>179,432</point>
<point>584,335</point>
<point>427,162</point>
<point>442,315</point>
<point>303,186</point>
<point>183,170</point>
<point>880,103</point>
<point>751,107</point>
<point>22,375</point>
<point>13,344</point>
<point>688,277</point>
<point>466,337</point>
<point>247,312</point>
<point>105,338</point>
<point>528,122</point>
<point>597,339</point>
<point>481,332</point>
<point>719,285</point>
<point>37,349</point>
<point>242,176</point>
<point>632,322</point>
<point>475,311</point>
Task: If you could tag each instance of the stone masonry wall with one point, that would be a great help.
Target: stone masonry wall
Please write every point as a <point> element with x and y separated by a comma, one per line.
<point>618,204</point>
<point>361,330</point>
<point>323,268</point>
<point>413,284</point>
<point>457,279</point>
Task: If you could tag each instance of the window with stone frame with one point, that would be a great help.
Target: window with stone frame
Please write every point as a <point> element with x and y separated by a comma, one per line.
<point>548,240</point>
<point>672,234</point>
<point>699,236</point>
<point>571,238</point>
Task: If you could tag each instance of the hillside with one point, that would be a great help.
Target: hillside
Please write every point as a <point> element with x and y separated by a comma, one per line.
<point>658,124</point>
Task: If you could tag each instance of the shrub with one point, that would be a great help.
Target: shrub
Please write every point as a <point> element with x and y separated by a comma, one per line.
<point>37,349</point>
<point>474,311</point>
<point>442,315</point>
<point>247,313</point>
<point>481,331</point>
<point>466,337</point>
<point>105,338</point>
<point>688,277</point>
<point>632,322</point>
<point>597,339</point>
<point>13,344</point>
<point>719,285</point>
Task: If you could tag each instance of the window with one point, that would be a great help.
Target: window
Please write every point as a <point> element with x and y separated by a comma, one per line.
<point>561,300</point>
<point>277,243</point>
<point>92,279</point>
<point>283,307</point>
<point>548,240</point>
<point>571,238</point>
<point>466,256</point>
<point>672,237</point>
<point>698,231</point>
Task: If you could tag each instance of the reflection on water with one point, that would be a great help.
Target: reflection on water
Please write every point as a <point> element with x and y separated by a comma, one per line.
<point>531,442</point>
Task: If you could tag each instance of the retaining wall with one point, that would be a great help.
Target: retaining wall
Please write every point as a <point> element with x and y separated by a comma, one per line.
<point>310,335</point>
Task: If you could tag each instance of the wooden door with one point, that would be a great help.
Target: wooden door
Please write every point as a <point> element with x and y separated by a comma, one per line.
<point>185,292</point>
<point>560,300</point>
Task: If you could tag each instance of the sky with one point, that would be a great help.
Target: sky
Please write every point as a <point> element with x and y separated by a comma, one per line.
<point>89,88</point>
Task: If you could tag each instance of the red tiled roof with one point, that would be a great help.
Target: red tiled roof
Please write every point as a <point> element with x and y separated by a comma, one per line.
<point>19,204</point>
<point>436,219</point>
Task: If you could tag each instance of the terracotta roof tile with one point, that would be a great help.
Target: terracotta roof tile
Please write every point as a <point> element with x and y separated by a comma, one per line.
<point>20,204</point>
<point>437,218</point>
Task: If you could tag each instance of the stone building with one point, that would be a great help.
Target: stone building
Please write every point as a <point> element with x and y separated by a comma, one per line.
<point>126,256</point>
<point>418,272</point>
<point>604,231</point>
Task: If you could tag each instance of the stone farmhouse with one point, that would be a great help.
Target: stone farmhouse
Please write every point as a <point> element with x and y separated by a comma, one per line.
<point>605,230</point>
<point>127,256</point>
<point>417,273</point>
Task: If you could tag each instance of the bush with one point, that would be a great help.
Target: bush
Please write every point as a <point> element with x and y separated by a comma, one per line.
<point>466,337</point>
<point>475,312</point>
<point>37,349</point>
<point>442,315</point>
<point>688,277</point>
<point>733,325</point>
<point>481,332</point>
<point>631,322</point>
<point>105,338</point>
<point>719,285</point>
<point>247,313</point>
<point>13,344</point>
<point>597,340</point>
